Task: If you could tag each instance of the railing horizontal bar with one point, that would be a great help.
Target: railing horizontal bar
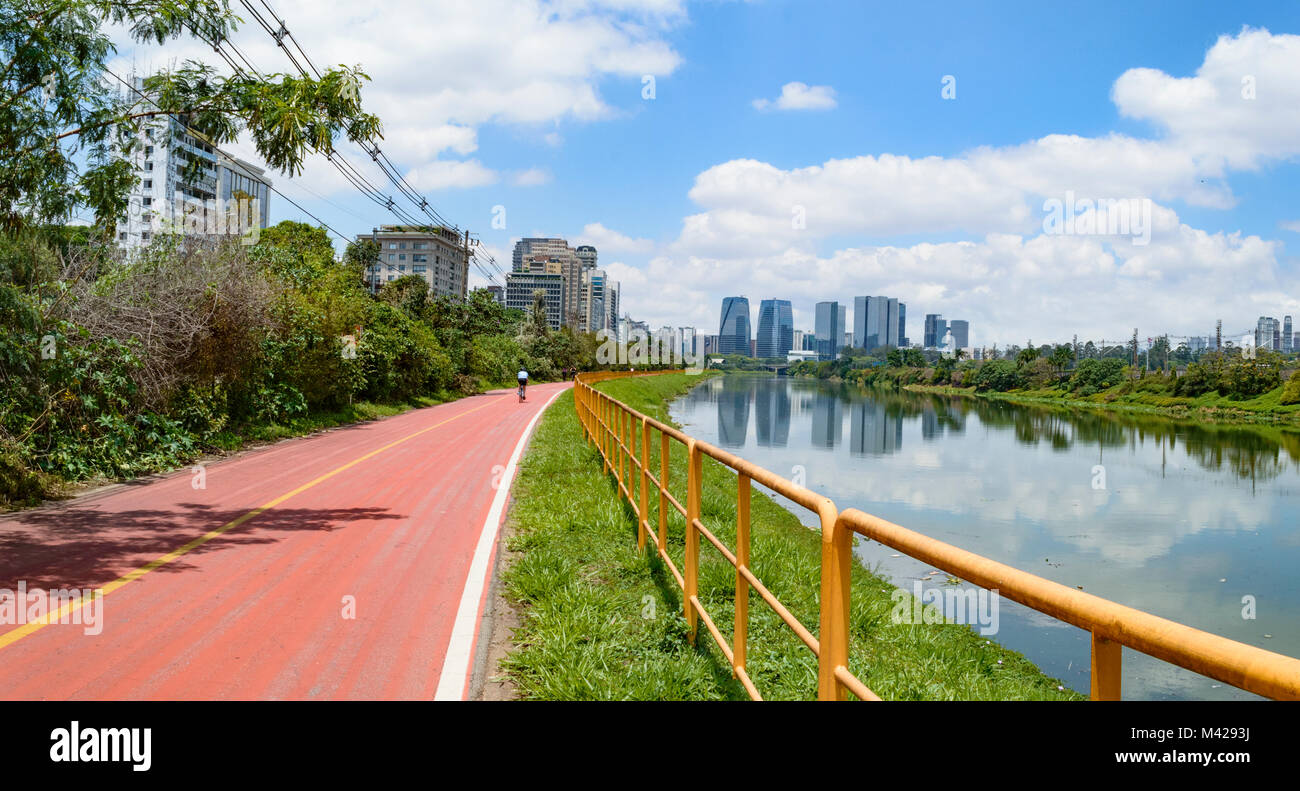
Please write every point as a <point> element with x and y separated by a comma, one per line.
<point>747,683</point>
<point>780,610</point>
<point>681,581</point>
<point>713,629</point>
<point>1244,666</point>
<point>704,531</point>
<point>856,687</point>
<point>803,496</point>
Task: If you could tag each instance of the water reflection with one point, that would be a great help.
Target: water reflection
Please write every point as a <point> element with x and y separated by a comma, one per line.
<point>1186,521</point>
<point>772,413</point>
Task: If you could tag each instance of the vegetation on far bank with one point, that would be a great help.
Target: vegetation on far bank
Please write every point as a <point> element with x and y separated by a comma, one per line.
<point>600,620</point>
<point>1216,386</point>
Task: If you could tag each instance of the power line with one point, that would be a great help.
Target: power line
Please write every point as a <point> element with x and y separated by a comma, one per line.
<point>390,170</point>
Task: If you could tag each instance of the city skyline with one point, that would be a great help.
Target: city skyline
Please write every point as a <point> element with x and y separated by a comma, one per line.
<point>811,185</point>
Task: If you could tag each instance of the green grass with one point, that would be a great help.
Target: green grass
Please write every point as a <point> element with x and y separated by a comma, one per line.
<point>601,621</point>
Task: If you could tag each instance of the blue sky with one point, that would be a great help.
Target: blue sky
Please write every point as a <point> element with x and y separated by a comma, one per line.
<point>537,107</point>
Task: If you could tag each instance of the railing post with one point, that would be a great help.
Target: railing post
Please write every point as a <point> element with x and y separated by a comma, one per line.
<point>1106,664</point>
<point>833,639</point>
<point>740,633</point>
<point>691,573</point>
<point>604,431</point>
<point>618,442</point>
<point>663,491</point>
<point>643,515</point>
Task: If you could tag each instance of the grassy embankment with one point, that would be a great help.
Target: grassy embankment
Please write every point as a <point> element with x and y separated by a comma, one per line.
<point>601,621</point>
<point>1208,408</point>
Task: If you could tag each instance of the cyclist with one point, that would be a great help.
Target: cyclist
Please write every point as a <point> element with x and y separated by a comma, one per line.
<point>523,382</point>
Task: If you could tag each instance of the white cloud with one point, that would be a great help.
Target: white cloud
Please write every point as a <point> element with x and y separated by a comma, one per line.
<point>1290,225</point>
<point>445,174</point>
<point>765,226</point>
<point>800,96</point>
<point>532,177</point>
<point>1240,109</point>
<point>1009,286</point>
<point>607,240</point>
<point>437,77</point>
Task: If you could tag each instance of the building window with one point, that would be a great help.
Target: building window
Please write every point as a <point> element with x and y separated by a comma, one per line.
<point>419,270</point>
<point>148,201</point>
<point>148,184</point>
<point>390,256</point>
<point>419,258</point>
<point>148,166</point>
<point>402,246</point>
<point>401,267</point>
<point>421,245</point>
<point>401,256</point>
<point>392,245</point>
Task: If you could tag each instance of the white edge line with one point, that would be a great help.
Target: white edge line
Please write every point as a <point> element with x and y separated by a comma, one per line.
<point>453,680</point>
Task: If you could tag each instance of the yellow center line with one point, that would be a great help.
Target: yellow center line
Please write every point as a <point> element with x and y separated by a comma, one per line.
<point>14,635</point>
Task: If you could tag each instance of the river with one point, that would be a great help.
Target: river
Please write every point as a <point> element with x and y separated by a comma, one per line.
<point>1193,523</point>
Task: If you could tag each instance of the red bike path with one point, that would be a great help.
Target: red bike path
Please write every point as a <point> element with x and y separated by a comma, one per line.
<point>241,589</point>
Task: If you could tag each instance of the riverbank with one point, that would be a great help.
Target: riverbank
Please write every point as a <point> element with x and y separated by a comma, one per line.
<point>1210,408</point>
<point>598,620</point>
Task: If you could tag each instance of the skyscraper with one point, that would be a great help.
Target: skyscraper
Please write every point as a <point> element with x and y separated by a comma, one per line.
<point>875,322</point>
<point>1265,330</point>
<point>960,333</point>
<point>935,329</point>
<point>775,328</point>
<point>902,326</point>
<point>733,330</point>
<point>1288,338</point>
<point>829,326</point>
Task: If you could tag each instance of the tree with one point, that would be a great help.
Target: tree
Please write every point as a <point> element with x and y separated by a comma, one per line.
<point>541,326</point>
<point>1060,357</point>
<point>67,125</point>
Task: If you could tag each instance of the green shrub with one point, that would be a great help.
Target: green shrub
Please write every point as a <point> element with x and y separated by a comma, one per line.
<point>1291,392</point>
<point>997,375</point>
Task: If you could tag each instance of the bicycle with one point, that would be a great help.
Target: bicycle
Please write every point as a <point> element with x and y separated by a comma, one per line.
<point>522,398</point>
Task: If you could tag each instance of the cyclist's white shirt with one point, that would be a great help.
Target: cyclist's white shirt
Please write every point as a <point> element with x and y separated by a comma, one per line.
<point>522,375</point>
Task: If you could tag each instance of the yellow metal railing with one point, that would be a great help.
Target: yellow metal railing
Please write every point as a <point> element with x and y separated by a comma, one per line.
<point>624,437</point>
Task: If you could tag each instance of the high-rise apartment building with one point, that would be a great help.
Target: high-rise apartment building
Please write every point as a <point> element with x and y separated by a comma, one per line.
<point>521,287</point>
<point>571,266</point>
<point>586,256</point>
<point>185,185</point>
<point>775,335</point>
<point>733,329</point>
<point>1288,337</point>
<point>599,302</point>
<point>438,255</point>
<point>828,324</point>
